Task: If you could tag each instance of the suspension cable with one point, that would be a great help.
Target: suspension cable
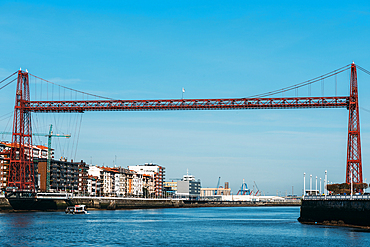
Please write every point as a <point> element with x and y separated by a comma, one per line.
<point>8,83</point>
<point>305,83</point>
<point>9,77</point>
<point>78,136</point>
<point>77,91</point>
<point>363,70</point>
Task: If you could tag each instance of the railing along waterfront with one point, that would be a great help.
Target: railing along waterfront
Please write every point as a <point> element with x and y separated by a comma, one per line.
<point>69,196</point>
<point>337,197</point>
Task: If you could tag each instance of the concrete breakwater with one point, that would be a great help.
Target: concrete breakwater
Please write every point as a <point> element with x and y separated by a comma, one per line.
<point>103,203</point>
<point>336,210</point>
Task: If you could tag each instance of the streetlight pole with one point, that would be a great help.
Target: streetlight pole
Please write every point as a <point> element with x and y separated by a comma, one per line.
<point>351,183</point>
<point>326,183</point>
<point>304,184</point>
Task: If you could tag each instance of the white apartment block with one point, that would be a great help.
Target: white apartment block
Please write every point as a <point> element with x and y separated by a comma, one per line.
<point>137,184</point>
<point>155,171</point>
<point>120,184</point>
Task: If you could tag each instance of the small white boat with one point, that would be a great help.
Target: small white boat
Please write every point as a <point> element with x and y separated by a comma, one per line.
<point>76,209</point>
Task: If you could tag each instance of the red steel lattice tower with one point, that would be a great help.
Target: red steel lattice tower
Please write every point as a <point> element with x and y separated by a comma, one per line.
<point>354,162</point>
<point>21,172</point>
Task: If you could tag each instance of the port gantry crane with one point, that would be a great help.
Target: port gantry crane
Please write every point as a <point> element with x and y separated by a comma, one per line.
<point>21,172</point>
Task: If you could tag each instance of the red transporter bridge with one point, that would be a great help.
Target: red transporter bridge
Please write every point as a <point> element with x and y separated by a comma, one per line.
<point>21,172</point>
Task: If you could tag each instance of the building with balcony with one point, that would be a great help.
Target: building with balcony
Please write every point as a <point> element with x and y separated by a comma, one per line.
<point>82,177</point>
<point>4,164</point>
<point>93,186</point>
<point>63,175</point>
<point>157,172</point>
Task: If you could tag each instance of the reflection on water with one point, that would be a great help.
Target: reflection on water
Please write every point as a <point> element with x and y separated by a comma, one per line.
<point>256,226</point>
<point>21,220</point>
<point>14,226</point>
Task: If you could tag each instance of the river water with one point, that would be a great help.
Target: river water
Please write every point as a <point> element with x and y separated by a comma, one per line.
<point>242,226</point>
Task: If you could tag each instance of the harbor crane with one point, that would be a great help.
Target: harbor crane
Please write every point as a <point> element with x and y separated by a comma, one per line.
<point>258,190</point>
<point>244,189</point>
<point>218,184</point>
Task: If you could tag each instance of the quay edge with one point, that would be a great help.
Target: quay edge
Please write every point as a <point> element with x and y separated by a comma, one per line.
<point>336,210</point>
<point>103,203</point>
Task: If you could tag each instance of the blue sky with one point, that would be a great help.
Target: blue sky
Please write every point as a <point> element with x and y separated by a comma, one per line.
<point>214,49</point>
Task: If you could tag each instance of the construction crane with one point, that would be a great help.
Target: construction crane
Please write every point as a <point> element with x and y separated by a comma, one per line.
<point>49,153</point>
<point>218,184</point>
<point>49,150</point>
<point>258,190</point>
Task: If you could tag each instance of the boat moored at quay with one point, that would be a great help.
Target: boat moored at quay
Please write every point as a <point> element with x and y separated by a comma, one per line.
<point>76,209</point>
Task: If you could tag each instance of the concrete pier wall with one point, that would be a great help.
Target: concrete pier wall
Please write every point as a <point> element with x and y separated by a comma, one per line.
<point>94,203</point>
<point>351,212</point>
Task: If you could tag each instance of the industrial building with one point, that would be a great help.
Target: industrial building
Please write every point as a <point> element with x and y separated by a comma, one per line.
<point>170,188</point>
<point>205,192</point>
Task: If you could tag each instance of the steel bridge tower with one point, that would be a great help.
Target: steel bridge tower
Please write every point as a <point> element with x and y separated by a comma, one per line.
<point>21,172</point>
<point>354,163</point>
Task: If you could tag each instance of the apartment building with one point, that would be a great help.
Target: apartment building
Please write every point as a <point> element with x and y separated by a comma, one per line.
<point>39,153</point>
<point>82,177</point>
<point>120,181</point>
<point>137,185</point>
<point>148,186</point>
<point>4,164</point>
<point>93,186</point>
<point>115,181</point>
<point>155,171</point>
<point>63,175</point>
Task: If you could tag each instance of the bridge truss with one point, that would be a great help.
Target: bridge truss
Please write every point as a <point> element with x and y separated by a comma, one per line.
<point>21,174</point>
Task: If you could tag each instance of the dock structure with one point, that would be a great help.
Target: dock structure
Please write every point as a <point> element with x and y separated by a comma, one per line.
<point>60,201</point>
<point>336,210</point>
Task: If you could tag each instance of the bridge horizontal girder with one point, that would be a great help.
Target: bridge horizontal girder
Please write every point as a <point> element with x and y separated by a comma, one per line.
<point>187,104</point>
